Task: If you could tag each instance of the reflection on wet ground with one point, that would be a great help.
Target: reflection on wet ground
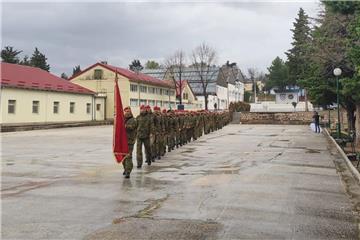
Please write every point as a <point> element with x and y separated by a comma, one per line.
<point>245,181</point>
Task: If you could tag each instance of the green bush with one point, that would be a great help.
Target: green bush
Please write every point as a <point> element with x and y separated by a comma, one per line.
<point>239,107</point>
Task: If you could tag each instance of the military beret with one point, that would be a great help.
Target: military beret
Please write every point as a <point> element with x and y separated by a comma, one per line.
<point>156,108</point>
<point>142,107</point>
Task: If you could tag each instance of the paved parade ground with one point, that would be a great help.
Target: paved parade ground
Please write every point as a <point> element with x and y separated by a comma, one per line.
<point>244,181</point>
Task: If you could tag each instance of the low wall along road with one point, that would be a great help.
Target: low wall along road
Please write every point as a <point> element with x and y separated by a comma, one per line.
<point>297,118</point>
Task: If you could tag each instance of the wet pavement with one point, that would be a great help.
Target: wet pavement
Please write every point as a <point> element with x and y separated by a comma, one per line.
<point>244,181</point>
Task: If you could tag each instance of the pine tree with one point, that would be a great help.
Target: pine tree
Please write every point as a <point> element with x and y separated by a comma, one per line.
<point>152,65</point>
<point>25,61</point>
<point>278,75</point>
<point>38,59</point>
<point>136,66</point>
<point>298,55</point>
<point>10,55</point>
<point>64,76</point>
<point>76,70</point>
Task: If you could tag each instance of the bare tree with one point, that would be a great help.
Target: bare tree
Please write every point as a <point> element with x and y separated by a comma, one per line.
<point>252,72</point>
<point>175,66</point>
<point>203,58</point>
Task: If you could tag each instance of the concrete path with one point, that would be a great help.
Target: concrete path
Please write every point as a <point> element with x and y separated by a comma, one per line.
<point>245,181</point>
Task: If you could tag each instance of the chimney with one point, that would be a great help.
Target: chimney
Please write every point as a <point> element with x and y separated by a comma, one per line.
<point>104,62</point>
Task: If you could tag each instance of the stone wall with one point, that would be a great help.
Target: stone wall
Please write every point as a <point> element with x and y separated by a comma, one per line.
<point>301,118</point>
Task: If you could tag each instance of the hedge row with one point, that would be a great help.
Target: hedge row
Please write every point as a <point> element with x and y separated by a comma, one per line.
<point>239,107</point>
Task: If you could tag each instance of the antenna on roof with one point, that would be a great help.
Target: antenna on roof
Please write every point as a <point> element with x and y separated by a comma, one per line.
<point>104,62</point>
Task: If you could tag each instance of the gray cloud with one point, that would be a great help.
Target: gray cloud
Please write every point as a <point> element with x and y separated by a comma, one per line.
<point>249,33</point>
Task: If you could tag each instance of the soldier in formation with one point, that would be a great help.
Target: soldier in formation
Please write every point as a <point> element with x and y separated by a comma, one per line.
<point>131,130</point>
<point>159,131</point>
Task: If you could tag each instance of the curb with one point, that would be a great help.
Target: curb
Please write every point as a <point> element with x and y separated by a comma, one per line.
<point>351,167</point>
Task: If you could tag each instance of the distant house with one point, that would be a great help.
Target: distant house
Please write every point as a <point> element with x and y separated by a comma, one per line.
<point>225,84</point>
<point>188,99</point>
<point>287,96</point>
<point>136,89</point>
<point>32,95</point>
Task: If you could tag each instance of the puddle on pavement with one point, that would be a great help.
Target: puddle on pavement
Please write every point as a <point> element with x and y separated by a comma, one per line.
<point>312,151</point>
<point>149,228</point>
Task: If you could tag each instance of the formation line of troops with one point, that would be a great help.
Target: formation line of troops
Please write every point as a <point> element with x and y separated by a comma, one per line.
<point>161,131</point>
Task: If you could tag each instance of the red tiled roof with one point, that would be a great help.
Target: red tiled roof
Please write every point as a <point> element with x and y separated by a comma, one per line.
<point>19,76</point>
<point>132,76</point>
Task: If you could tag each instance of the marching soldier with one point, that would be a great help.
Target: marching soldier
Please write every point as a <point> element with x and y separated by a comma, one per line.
<point>131,129</point>
<point>158,132</point>
<point>151,117</point>
<point>144,128</point>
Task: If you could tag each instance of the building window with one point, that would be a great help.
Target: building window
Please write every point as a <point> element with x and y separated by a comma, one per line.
<point>56,107</point>
<point>88,108</point>
<point>151,102</point>
<point>98,74</point>
<point>133,102</point>
<point>11,106</point>
<point>161,91</point>
<point>133,88</point>
<point>159,103</point>
<point>172,93</point>
<point>157,90</point>
<point>166,92</point>
<point>166,104</point>
<point>143,101</point>
<point>185,96</point>
<point>143,89</point>
<point>36,105</point>
<point>152,90</point>
<point>72,107</point>
<point>98,107</point>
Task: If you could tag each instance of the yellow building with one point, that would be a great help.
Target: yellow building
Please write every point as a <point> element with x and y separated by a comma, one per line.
<point>32,95</point>
<point>136,89</point>
<point>188,97</point>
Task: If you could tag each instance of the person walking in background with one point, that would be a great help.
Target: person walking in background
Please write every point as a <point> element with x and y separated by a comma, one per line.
<point>316,118</point>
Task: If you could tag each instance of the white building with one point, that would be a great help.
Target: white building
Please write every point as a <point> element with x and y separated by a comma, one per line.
<point>224,84</point>
<point>32,95</point>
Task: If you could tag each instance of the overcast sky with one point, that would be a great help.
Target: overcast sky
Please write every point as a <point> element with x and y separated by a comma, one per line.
<point>249,33</point>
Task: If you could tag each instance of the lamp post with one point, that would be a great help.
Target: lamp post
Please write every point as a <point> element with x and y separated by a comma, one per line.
<point>337,73</point>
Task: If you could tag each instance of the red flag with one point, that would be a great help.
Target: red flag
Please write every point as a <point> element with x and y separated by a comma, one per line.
<point>120,145</point>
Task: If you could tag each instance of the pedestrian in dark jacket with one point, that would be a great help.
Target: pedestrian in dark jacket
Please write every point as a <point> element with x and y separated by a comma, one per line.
<point>316,118</point>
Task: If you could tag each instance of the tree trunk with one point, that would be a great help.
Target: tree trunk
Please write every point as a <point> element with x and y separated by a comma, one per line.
<point>350,119</point>
<point>357,125</point>
<point>206,101</point>
<point>306,101</point>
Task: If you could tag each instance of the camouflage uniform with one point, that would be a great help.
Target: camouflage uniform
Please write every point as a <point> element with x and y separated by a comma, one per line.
<point>171,131</point>
<point>144,128</point>
<point>158,132</point>
<point>164,132</point>
<point>131,128</point>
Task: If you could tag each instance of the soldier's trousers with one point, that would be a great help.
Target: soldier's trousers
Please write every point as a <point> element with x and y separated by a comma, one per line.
<point>157,145</point>
<point>164,143</point>
<point>171,140</point>
<point>177,140</point>
<point>189,134</point>
<point>139,152</point>
<point>127,162</point>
